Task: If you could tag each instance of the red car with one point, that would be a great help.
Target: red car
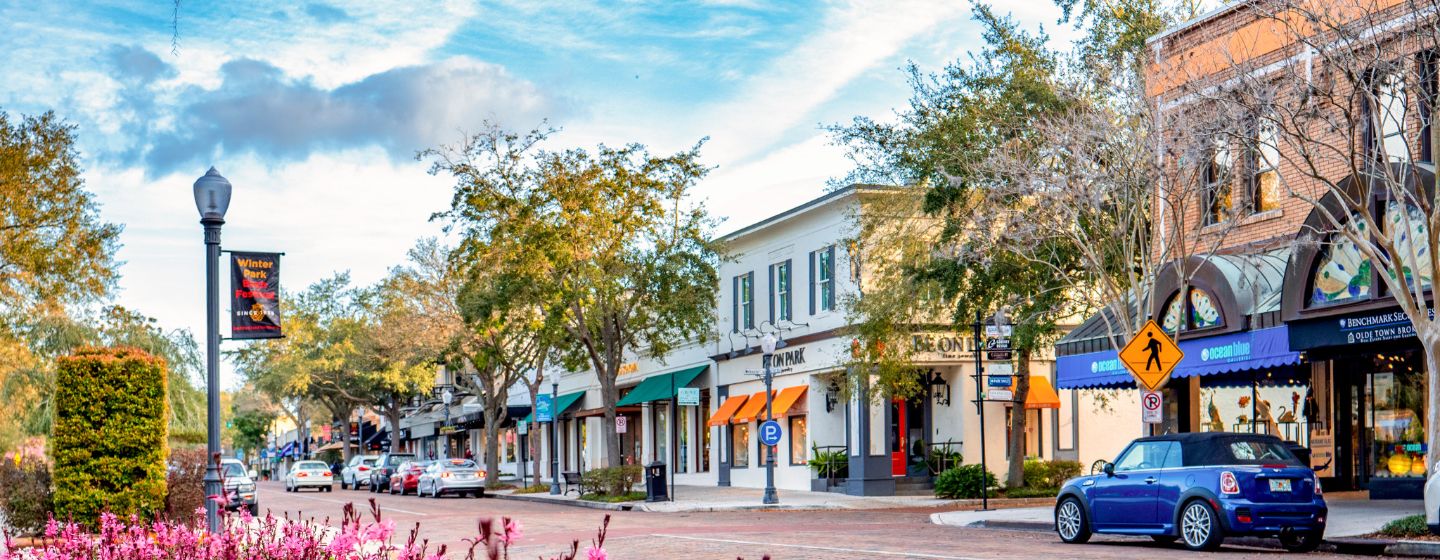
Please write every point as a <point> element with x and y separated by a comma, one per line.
<point>407,477</point>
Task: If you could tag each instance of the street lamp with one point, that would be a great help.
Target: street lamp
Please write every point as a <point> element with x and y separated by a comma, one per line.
<point>447,397</point>
<point>212,199</point>
<point>767,351</point>
<point>554,436</point>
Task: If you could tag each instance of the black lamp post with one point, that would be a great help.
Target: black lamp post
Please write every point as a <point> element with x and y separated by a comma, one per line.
<point>767,351</point>
<point>554,437</point>
<point>447,397</point>
<point>212,199</point>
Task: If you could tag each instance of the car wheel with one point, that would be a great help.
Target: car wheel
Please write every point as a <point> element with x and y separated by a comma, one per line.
<point>344,485</point>
<point>1070,521</point>
<point>254,510</point>
<point>1301,541</point>
<point>1199,527</point>
<point>1164,539</point>
<point>330,488</point>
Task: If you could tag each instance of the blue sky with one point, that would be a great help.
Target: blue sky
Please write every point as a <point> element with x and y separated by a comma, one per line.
<point>315,110</point>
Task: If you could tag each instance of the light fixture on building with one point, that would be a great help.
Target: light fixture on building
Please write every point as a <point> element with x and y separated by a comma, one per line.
<point>937,382</point>
<point>832,396</point>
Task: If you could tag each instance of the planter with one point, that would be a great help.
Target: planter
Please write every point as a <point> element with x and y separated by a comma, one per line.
<point>823,484</point>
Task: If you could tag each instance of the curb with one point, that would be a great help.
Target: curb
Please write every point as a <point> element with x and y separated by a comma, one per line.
<point>646,507</point>
<point>571,503</point>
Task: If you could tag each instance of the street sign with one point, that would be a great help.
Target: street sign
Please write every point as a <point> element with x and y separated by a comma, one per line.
<point>1152,407</point>
<point>522,428</point>
<point>619,424</point>
<point>1001,343</point>
<point>1002,355</point>
<point>1004,368</point>
<point>689,396</point>
<point>998,330</point>
<point>1001,381</point>
<point>544,412</point>
<point>999,395</point>
<point>1151,356</point>
<point>770,432</point>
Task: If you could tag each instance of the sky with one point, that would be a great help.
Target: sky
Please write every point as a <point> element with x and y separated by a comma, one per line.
<point>315,111</point>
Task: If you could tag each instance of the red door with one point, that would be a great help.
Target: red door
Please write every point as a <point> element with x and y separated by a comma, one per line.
<point>898,432</point>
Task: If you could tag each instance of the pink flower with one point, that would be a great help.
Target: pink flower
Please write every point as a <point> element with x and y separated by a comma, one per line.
<point>513,531</point>
<point>378,531</point>
<point>595,554</point>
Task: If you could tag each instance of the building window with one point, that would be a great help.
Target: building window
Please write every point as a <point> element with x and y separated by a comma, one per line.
<point>1217,184</point>
<point>1265,165</point>
<point>1341,274</point>
<point>822,280</point>
<point>781,292</point>
<point>1428,67</point>
<point>740,446</point>
<point>1405,227</point>
<point>702,432</point>
<point>799,452</point>
<point>1199,312</point>
<point>1389,119</point>
<point>744,302</point>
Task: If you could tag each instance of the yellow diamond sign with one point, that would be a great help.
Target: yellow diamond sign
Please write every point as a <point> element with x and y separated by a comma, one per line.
<point>1151,356</point>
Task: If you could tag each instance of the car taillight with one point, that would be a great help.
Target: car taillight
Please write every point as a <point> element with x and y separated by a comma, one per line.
<point>363,468</point>
<point>1316,477</point>
<point>301,475</point>
<point>445,475</point>
<point>326,473</point>
<point>1228,485</point>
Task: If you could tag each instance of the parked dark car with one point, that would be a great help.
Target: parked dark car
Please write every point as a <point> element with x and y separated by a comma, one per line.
<point>1198,488</point>
<point>407,476</point>
<point>384,468</point>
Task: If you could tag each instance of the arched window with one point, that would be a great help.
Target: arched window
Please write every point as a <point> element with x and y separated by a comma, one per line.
<point>1200,312</point>
<point>1406,228</point>
<point>1341,273</point>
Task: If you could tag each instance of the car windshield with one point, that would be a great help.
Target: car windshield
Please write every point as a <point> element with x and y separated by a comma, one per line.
<point>459,464</point>
<point>312,466</point>
<point>370,461</point>
<point>1242,451</point>
<point>397,459</point>
<point>233,470</point>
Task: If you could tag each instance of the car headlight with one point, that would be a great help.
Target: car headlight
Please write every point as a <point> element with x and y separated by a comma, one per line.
<point>245,487</point>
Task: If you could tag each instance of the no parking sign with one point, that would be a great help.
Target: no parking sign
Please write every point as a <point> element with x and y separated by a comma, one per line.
<point>1151,407</point>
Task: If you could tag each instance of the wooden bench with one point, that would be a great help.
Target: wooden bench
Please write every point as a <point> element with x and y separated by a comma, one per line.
<point>572,482</point>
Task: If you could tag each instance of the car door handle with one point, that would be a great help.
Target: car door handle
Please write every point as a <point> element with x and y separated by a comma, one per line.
<point>1149,480</point>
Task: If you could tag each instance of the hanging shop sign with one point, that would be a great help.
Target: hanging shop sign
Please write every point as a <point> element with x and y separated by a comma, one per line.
<point>688,396</point>
<point>255,295</point>
<point>543,410</point>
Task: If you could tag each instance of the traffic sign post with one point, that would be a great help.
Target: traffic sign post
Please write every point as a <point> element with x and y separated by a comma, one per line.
<point>770,433</point>
<point>620,424</point>
<point>1151,356</point>
<point>1152,407</point>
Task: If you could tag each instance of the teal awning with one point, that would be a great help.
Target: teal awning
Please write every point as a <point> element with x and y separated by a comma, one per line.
<point>563,404</point>
<point>663,386</point>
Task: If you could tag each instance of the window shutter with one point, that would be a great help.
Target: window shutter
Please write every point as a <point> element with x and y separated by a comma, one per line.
<point>812,282</point>
<point>789,291</point>
<point>830,258</point>
<point>735,305</point>
<point>772,294</point>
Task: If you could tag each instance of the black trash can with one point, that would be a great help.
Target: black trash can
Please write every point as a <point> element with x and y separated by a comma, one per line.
<point>655,488</point>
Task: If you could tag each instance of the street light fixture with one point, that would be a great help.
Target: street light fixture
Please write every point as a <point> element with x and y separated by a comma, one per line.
<point>212,199</point>
<point>767,351</point>
<point>554,436</point>
<point>447,397</point>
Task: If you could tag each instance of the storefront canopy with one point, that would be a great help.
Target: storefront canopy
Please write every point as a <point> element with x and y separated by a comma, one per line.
<point>1247,350</point>
<point>751,410</point>
<point>783,401</point>
<point>727,410</point>
<point>660,387</point>
<point>1041,394</point>
<point>562,404</point>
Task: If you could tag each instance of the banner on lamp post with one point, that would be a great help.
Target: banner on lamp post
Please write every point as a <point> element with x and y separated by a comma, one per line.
<point>255,295</point>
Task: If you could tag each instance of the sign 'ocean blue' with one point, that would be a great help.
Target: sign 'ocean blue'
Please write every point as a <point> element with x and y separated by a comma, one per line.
<point>770,433</point>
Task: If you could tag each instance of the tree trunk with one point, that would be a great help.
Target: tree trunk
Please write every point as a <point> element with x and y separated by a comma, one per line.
<point>1016,477</point>
<point>607,425</point>
<point>392,414</point>
<point>534,435</point>
<point>492,444</point>
<point>1431,344</point>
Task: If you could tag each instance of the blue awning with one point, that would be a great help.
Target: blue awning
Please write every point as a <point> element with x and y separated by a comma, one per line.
<point>1257,349</point>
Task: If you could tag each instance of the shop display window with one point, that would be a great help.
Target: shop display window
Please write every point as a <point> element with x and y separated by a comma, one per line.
<point>740,446</point>
<point>1395,418</point>
<point>799,453</point>
<point>1275,402</point>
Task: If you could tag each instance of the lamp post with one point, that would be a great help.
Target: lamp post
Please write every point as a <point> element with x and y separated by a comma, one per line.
<point>767,351</point>
<point>447,397</point>
<point>554,437</point>
<point>212,199</point>
<point>999,319</point>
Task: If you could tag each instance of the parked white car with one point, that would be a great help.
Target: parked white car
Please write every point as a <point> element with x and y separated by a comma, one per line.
<point>357,471</point>
<point>309,474</point>
<point>1432,503</point>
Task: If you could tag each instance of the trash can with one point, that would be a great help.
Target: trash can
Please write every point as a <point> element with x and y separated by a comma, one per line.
<point>655,488</point>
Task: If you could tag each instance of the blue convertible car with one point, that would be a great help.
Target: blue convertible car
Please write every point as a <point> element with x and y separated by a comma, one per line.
<point>1198,488</point>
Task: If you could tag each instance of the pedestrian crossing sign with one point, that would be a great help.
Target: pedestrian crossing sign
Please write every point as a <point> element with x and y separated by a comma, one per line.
<point>1151,356</point>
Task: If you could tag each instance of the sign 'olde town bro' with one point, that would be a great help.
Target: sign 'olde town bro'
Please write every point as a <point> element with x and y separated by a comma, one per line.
<point>1355,328</point>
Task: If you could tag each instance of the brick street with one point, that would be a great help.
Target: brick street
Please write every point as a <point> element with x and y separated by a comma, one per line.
<point>848,535</point>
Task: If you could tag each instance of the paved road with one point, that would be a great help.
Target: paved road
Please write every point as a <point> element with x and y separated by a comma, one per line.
<point>848,535</point>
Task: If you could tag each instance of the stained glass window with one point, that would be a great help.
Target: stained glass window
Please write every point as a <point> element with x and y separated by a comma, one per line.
<point>1410,227</point>
<point>1201,313</point>
<point>1342,274</point>
<point>1174,314</point>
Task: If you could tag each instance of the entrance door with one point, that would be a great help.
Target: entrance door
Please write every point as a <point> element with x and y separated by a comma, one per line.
<point>899,436</point>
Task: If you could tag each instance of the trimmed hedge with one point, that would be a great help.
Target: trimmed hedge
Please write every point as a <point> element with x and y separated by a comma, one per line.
<point>963,482</point>
<point>610,481</point>
<point>109,440</point>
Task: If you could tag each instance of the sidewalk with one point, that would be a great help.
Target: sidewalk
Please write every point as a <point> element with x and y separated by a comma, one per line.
<point>712,498</point>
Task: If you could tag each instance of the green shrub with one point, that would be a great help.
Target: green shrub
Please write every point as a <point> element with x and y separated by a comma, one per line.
<point>963,482</point>
<point>942,459</point>
<point>25,494</point>
<point>1411,526</point>
<point>633,496</point>
<point>1036,473</point>
<point>610,481</point>
<point>185,483</point>
<point>1061,471</point>
<point>533,489</point>
<point>828,464</point>
<point>109,439</point>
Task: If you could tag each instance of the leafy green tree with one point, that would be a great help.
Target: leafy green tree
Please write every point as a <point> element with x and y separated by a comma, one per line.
<point>251,428</point>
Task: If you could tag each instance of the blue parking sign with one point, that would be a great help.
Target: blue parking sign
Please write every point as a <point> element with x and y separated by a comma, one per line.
<point>770,433</point>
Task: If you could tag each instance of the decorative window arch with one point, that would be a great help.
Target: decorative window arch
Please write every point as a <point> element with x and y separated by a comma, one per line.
<point>1341,274</point>
<point>1199,311</point>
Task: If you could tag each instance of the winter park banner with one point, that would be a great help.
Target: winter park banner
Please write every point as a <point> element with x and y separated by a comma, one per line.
<point>255,295</point>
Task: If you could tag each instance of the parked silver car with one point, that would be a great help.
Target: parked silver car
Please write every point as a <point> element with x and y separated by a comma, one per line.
<point>357,471</point>
<point>452,476</point>
<point>239,486</point>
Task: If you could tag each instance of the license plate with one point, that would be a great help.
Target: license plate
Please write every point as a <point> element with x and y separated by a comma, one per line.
<point>1279,485</point>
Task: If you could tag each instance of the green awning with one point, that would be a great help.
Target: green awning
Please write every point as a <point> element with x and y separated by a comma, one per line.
<point>564,403</point>
<point>663,386</point>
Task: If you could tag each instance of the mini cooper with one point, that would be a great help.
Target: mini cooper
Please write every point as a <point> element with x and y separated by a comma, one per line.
<point>1198,488</point>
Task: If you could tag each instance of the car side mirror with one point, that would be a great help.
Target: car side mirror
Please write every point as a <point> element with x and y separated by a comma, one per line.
<point>1109,469</point>
<point>253,474</point>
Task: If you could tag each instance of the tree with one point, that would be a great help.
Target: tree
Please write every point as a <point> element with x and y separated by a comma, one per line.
<point>630,256</point>
<point>1346,131</point>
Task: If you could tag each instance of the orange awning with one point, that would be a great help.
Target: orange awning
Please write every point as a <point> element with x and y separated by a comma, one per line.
<point>752,409</point>
<point>783,401</point>
<point>1041,394</point>
<point>727,408</point>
